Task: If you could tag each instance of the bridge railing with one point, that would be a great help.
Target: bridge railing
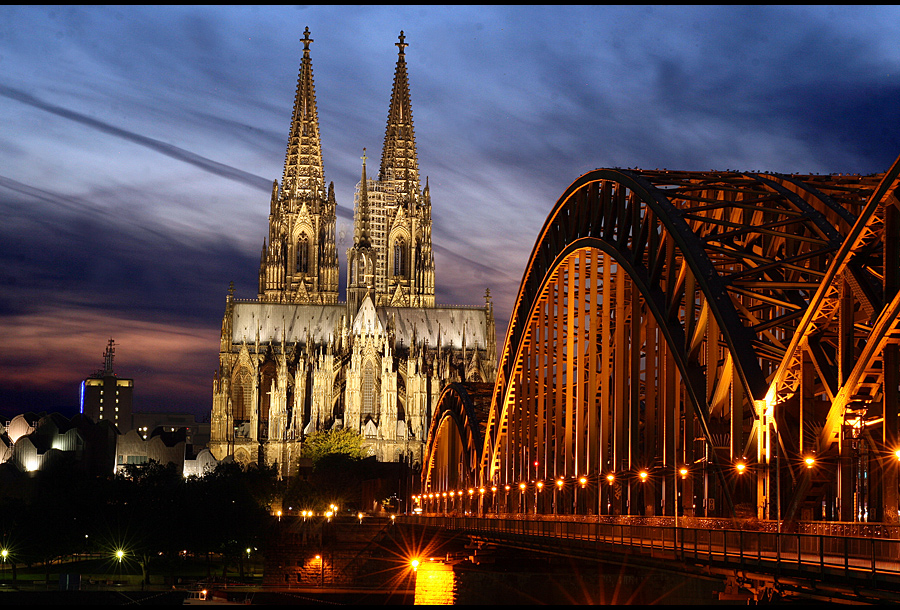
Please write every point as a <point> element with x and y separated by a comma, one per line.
<point>809,554</point>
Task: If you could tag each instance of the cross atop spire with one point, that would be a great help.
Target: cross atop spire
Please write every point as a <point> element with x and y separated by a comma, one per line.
<point>306,40</point>
<point>401,44</point>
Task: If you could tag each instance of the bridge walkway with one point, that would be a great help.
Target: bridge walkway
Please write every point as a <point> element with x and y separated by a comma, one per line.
<point>856,561</point>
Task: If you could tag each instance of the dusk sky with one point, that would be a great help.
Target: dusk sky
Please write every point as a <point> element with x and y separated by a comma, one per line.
<point>138,146</point>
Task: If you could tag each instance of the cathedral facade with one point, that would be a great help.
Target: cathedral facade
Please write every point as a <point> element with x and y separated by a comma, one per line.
<point>296,360</point>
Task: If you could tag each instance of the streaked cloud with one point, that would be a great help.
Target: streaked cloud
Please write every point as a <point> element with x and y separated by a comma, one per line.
<point>140,143</point>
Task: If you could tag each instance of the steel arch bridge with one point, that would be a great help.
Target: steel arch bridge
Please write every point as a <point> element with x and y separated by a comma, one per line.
<point>698,343</point>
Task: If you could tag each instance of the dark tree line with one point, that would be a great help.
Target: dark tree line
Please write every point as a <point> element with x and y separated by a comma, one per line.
<point>150,512</point>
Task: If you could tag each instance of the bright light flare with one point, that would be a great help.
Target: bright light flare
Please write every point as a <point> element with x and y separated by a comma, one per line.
<point>741,467</point>
<point>610,477</point>
<point>643,474</point>
<point>414,564</point>
<point>809,461</point>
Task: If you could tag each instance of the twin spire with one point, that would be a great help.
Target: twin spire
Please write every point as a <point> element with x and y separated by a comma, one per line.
<point>391,252</point>
<point>304,172</point>
<point>398,158</point>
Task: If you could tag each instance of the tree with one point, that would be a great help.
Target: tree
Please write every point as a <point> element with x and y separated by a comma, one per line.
<point>329,442</point>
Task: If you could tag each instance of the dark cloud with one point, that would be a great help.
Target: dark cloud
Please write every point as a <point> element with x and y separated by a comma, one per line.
<point>96,260</point>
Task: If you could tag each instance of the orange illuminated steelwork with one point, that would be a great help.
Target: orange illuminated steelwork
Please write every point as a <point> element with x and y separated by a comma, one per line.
<point>747,298</point>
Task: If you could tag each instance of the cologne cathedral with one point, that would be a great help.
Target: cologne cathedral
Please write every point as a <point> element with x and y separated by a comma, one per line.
<point>296,360</point>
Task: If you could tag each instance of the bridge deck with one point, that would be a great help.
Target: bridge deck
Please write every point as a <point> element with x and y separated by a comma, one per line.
<point>870,562</point>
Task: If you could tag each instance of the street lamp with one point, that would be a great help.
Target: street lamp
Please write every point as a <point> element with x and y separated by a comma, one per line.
<point>810,461</point>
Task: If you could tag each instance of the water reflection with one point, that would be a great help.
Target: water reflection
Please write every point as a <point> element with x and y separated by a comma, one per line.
<point>435,584</point>
<point>539,581</point>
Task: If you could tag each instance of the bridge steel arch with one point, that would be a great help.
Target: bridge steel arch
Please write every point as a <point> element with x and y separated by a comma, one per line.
<point>454,446</point>
<point>673,325</point>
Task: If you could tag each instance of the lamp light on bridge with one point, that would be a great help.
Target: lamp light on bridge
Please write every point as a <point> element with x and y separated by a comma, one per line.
<point>445,494</point>
<point>683,471</point>
<point>740,467</point>
<point>583,481</point>
<point>4,553</point>
<point>810,461</point>
<point>415,565</point>
<point>494,489</point>
<point>471,492</point>
<point>611,478</point>
<point>643,474</point>
<point>506,487</point>
<point>559,483</point>
<point>540,485</point>
<point>120,554</point>
<point>452,493</point>
<point>897,454</point>
<point>522,486</point>
<point>481,490</point>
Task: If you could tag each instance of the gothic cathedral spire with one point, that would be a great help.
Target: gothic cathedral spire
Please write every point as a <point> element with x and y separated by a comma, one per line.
<point>304,172</point>
<point>300,263</point>
<point>361,257</point>
<point>398,157</point>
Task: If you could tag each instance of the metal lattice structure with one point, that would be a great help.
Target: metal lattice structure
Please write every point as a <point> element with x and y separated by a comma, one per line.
<point>713,343</point>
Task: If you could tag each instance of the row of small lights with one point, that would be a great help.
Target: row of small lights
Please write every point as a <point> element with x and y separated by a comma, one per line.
<point>740,467</point>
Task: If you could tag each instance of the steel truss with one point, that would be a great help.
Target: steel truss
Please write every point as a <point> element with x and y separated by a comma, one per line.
<point>682,342</point>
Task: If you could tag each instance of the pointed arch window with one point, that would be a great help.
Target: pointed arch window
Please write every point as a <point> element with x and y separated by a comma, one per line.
<point>399,257</point>
<point>368,389</point>
<point>303,254</point>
